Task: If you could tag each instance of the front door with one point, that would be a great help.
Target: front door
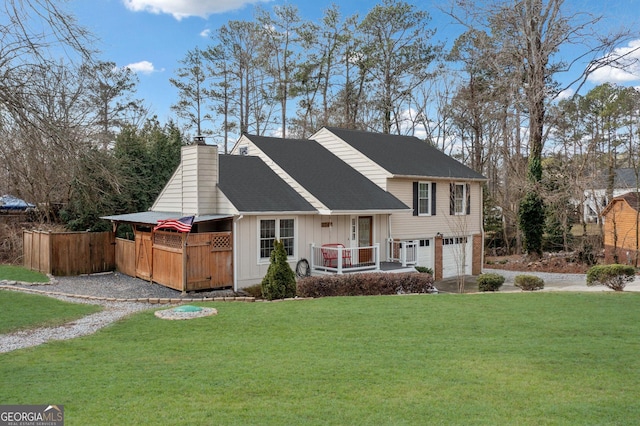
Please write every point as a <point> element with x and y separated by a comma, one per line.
<point>365,239</point>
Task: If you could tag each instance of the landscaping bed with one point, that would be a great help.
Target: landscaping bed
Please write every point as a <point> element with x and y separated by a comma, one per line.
<point>551,262</point>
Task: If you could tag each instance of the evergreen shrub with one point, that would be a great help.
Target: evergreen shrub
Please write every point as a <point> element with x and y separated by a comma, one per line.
<point>280,281</point>
<point>424,270</point>
<point>490,282</point>
<point>613,276</point>
<point>529,282</point>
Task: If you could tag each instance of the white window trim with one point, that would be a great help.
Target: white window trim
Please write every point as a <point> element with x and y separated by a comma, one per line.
<point>429,200</point>
<point>464,199</point>
<point>266,260</point>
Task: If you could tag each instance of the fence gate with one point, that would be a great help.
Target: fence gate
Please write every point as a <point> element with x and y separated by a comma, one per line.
<point>144,256</point>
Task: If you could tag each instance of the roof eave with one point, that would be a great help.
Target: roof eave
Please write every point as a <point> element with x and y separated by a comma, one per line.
<point>476,179</point>
<point>362,212</point>
<point>278,213</point>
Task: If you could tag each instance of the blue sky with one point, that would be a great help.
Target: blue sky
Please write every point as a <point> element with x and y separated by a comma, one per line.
<point>152,36</point>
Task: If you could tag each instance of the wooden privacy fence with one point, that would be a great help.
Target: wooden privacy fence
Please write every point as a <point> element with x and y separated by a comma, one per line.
<point>69,253</point>
<point>181,261</point>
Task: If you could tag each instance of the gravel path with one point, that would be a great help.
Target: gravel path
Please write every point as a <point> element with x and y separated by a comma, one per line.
<point>108,290</point>
<point>113,311</point>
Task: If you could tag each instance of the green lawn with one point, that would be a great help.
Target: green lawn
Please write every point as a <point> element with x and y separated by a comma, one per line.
<point>486,359</point>
<point>21,310</point>
<point>18,273</point>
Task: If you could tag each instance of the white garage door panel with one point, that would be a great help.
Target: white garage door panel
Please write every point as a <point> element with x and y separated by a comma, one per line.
<point>425,253</point>
<point>456,256</point>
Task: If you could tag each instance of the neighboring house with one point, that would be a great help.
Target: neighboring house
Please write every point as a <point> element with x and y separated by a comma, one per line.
<point>620,226</point>
<point>595,199</point>
<point>342,201</point>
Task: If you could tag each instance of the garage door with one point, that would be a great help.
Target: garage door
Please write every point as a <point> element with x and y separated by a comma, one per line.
<point>425,253</point>
<point>456,256</point>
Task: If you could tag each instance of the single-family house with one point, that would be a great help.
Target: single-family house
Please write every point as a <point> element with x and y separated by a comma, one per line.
<point>445,222</point>
<point>337,201</point>
<point>620,226</point>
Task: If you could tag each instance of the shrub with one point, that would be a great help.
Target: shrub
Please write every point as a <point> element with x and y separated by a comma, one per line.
<point>490,282</point>
<point>280,281</point>
<point>375,283</point>
<point>254,291</point>
<point>614,276</point>
<point>529,282</point>
<point>424,270</point>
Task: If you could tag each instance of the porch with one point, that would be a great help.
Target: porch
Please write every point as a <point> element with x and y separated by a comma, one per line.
<point>338,259</point>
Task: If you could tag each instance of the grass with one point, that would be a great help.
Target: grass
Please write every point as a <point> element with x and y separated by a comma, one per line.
<point>592,229</point>
<point>486,359</point>
<point>18,273</point>
<point>21,311</point>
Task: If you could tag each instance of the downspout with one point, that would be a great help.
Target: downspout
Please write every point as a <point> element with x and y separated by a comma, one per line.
<point>388,245</point>
<point>235,252</point>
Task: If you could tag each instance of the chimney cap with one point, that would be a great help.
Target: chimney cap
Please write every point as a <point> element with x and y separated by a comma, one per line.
<point>199,140</point>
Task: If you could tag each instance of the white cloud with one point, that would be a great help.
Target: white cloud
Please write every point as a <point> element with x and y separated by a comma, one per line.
<point>565,94</point>
<point>205,33</point>
<point>627,68</point>
<point>142,67</point>
<point>180,9</point>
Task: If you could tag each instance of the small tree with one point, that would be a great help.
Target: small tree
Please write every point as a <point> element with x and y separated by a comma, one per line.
<point>614,276</point>
<point>280,281</point>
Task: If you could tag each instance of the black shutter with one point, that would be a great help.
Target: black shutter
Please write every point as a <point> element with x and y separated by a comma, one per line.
<point>433,198</point>
<point>415,198</point>
<point>468,191</point>
<point>452,198</point>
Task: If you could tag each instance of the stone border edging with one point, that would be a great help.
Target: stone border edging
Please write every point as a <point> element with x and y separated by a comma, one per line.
<point>151,300</point>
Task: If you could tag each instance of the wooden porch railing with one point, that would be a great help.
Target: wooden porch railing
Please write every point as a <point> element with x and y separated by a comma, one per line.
<point>339,259</point>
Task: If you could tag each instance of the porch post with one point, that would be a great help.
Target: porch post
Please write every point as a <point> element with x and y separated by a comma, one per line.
<point>339,260</point>
<point>184,263</point>
<point>313,257</point>
<point>403,253</point>
<point>377,253</point>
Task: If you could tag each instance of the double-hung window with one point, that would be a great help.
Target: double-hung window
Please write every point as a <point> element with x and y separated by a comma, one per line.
<point>424,203</point>
<point>276,229</point>
<point>459,198</point>
<point>424,198</point>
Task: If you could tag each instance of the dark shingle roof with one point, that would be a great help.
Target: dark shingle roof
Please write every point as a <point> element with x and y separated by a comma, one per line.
<point>252,186</point>
<point>333,182</point>
<point>405,155</point>
<point>625,178</point>
<point>632,198</point>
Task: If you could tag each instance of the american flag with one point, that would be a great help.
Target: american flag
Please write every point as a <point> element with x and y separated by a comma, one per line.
<point>182,225</point>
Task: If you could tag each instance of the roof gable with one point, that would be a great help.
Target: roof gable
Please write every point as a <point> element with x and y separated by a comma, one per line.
<point>405,155</point>
<point>329,179</point>
<point>631,198</point>
<point>251,186</point>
